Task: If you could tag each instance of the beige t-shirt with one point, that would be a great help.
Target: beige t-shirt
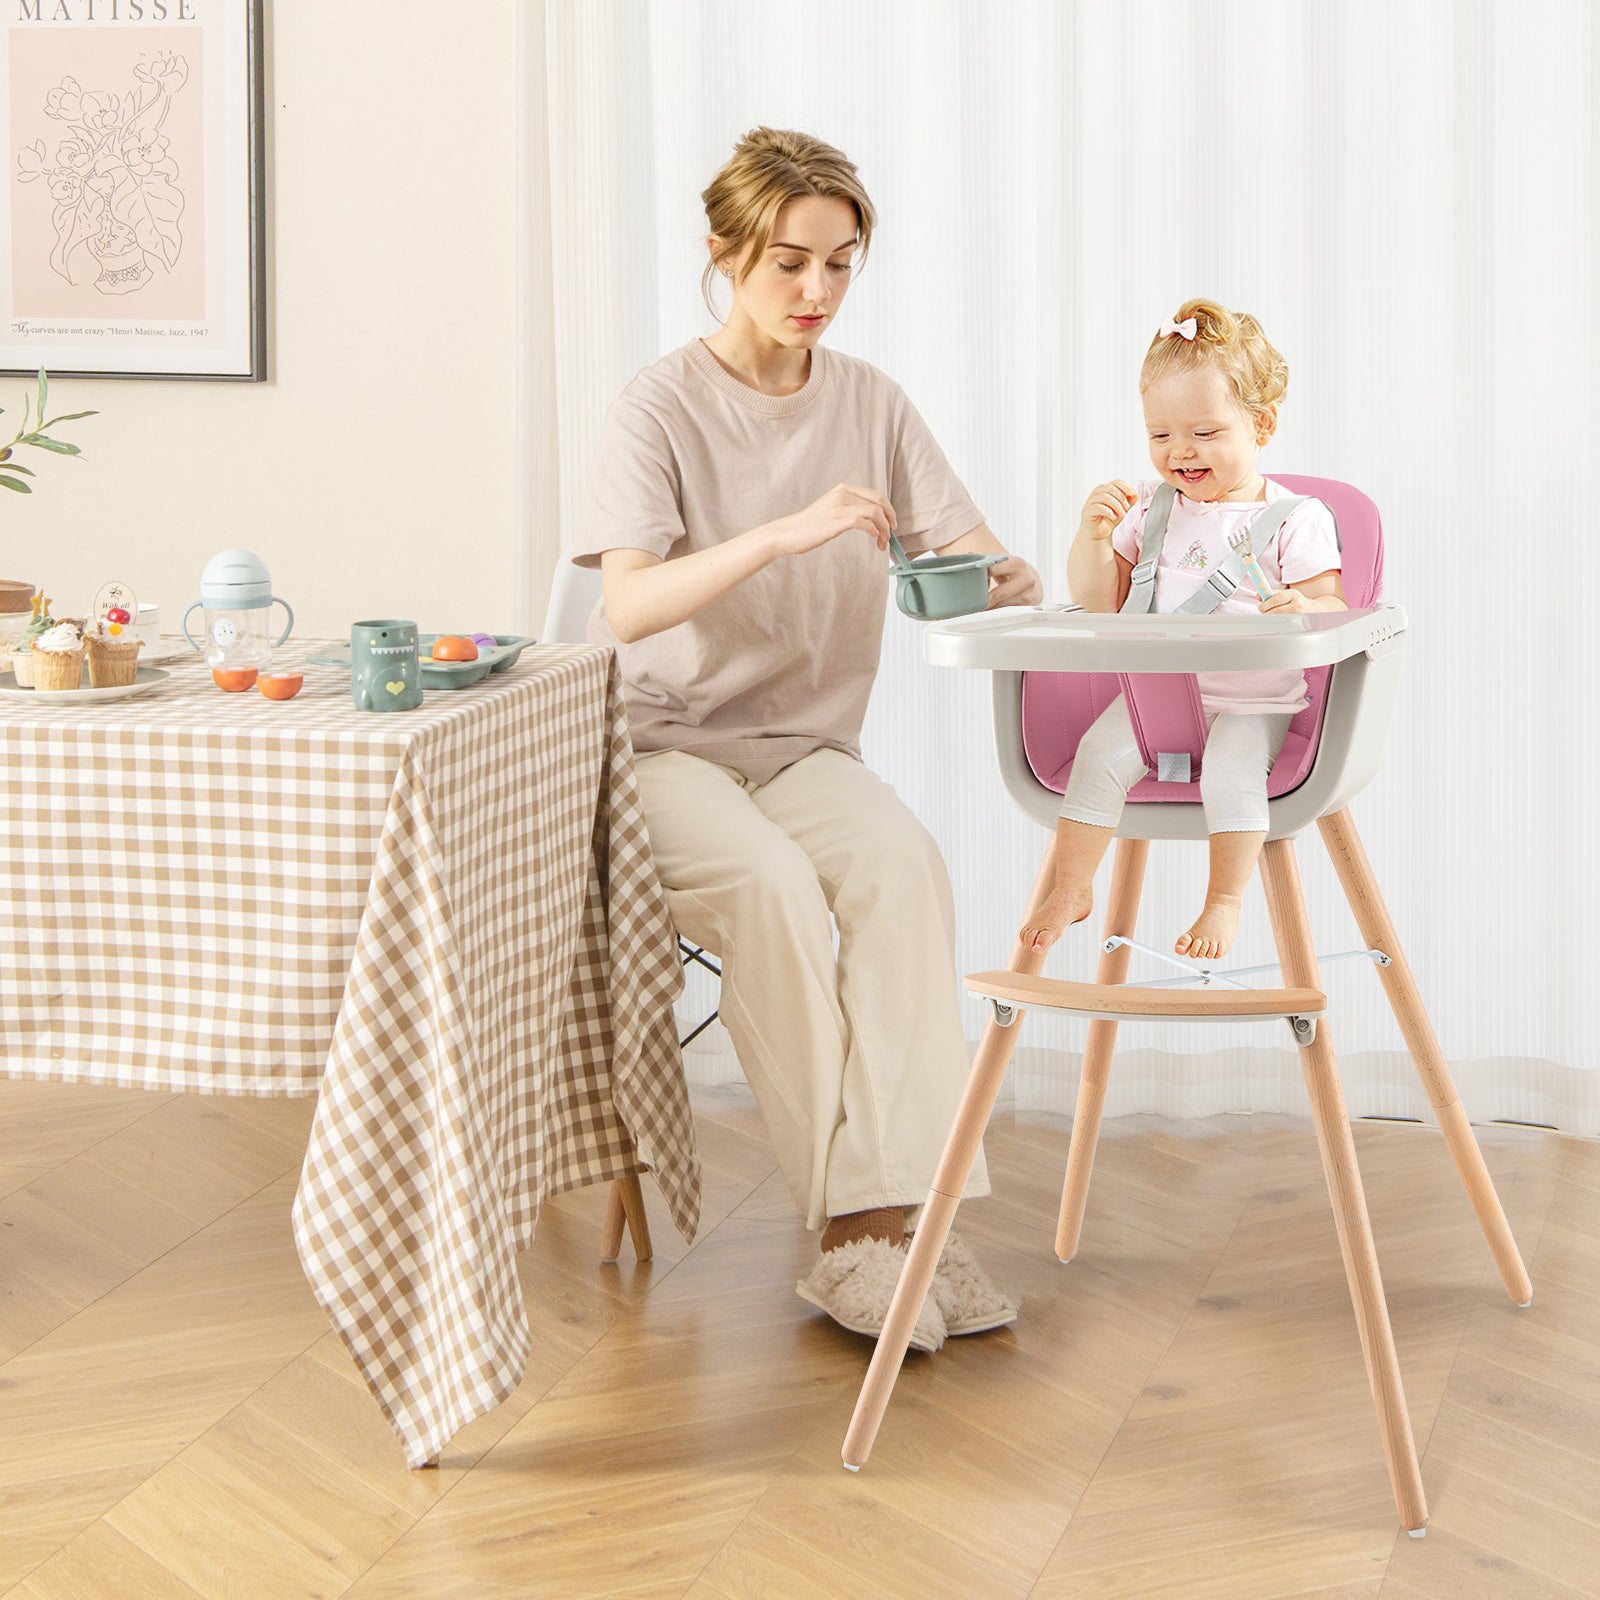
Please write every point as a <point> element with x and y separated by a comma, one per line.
<point>783,664</point>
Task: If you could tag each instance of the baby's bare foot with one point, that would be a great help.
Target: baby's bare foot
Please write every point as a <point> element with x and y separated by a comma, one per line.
<point>1212,933</point>
<point>1061,910</point>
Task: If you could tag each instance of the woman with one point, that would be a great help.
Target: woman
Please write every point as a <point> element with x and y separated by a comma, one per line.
<point>740,507</point>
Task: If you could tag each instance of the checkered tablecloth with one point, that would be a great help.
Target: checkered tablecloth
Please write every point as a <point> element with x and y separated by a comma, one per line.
<point>444,923</point>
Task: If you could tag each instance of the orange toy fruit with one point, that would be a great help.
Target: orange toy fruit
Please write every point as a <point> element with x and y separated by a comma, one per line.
<point>281,685</point>
<point>452,647</point>
<point>234,680</point>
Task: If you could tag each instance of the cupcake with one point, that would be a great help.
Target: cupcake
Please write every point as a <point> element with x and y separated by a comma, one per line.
<point>58,659</point>
<point>113,662</point>
<point>22,655</point>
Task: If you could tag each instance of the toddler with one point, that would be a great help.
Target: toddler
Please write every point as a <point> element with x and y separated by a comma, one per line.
<point>1211,384</point>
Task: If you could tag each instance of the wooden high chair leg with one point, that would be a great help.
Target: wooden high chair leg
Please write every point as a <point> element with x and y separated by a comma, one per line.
<point>938,1211</point>
<point>1127,878</point>
<point>1297,959</point>
<point>625,1205</point>
<point>1372,917</point>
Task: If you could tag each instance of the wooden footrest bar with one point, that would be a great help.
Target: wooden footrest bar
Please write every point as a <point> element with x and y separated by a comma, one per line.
<point>1116,1002</point>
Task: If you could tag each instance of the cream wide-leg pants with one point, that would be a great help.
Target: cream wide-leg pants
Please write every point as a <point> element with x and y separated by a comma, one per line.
<point>857,1058</point>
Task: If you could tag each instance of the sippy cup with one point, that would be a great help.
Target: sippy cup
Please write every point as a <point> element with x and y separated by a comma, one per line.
<point>236,593</point>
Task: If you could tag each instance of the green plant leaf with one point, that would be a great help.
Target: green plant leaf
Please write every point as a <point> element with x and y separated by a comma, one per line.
<point>71,416</point>
<point>44,389</point>
<point>17,466</point>
<point>14,483</point>
<point>60,448</point>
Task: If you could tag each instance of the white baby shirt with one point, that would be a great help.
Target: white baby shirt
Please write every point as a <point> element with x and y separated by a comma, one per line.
<point>1196,543</point>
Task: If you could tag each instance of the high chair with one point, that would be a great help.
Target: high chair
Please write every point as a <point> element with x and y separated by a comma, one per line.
<point>1053,672</point>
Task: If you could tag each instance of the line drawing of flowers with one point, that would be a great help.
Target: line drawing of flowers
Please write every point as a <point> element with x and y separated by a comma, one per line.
<point>113,181</point>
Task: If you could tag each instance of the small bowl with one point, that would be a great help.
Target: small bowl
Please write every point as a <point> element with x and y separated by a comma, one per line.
<point>280,685</point>
<point>937,587</point>
<point>234,680</point>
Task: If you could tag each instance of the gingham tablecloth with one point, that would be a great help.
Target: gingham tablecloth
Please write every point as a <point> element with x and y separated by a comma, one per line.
<point>444,923</point>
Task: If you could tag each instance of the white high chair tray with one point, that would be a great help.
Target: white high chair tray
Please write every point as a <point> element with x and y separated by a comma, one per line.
<point>1038,639</point>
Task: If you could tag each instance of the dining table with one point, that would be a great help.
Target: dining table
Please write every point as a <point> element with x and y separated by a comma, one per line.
<point>444,924</point>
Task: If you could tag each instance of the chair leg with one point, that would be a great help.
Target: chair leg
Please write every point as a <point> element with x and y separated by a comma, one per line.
<point>938,1212</point>
<point>1372,917</point>
<point>625,1206</point>
<point>1297,958</point>
<point>1127,878</point>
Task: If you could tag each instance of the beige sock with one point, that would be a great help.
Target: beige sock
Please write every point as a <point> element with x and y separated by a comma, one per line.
<point>884,1222</point>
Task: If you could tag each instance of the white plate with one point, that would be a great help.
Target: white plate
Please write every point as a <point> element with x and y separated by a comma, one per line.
<point>146,678</point>
<point>166,650</point>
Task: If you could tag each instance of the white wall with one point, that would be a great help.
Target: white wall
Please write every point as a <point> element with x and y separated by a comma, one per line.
<point>1405,192</point>
<point>373,471</point>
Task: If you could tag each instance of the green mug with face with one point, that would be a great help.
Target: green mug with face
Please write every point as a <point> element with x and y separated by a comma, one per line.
<point>384,671</point>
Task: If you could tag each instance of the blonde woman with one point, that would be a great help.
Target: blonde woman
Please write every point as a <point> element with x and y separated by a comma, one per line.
<point>740,507</point>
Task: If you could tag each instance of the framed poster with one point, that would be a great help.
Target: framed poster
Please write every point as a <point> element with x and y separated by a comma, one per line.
<point>132,230</point>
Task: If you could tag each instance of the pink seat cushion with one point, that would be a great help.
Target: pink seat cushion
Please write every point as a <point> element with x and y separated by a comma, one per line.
<point>1058,707</point>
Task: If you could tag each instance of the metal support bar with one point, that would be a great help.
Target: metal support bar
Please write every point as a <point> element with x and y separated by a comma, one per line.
<point>1194,973</point>
<point>1204,975</point>
<point>689,1038</point>
<point>688,952</point>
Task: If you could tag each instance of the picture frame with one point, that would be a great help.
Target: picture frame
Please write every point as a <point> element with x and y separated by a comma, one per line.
<point>132,206</point>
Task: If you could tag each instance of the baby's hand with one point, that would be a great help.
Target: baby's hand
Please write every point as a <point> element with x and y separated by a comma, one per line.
<point>1106,507</point>
<point>1282,601</point>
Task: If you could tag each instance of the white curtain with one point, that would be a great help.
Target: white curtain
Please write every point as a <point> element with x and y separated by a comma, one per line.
<point>1404,192</point>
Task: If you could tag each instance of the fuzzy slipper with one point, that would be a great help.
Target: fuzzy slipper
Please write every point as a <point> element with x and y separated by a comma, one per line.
<point>968,1299</point>
<point>854,1285</point>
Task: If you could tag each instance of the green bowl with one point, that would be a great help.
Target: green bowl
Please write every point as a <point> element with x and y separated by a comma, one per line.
<point>937,587</point>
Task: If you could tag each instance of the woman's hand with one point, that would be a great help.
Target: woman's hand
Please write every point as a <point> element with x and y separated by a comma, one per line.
<point>1013,582</point>
<point>844,507</point>
<point>1105,508</point>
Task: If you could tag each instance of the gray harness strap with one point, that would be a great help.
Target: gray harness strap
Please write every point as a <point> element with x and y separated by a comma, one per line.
<point>1175,766</point>
<point>1224,579</point>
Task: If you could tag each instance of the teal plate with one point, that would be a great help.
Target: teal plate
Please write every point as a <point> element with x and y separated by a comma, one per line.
<point>443,674</point>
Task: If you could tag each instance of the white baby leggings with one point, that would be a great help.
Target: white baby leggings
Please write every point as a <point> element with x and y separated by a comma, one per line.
<point>1240,749</point>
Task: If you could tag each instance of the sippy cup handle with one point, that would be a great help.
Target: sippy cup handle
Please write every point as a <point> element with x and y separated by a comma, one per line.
<point>289,627</point>
<point>184,624</point>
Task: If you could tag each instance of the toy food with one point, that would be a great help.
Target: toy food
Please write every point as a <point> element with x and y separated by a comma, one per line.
<point>40,623</point>
<point>452,647</point>
<point>485,641</point>
<point>58,659</point>
<point>112,646</point>
<point>234,679</point>
<point>280,685</point>
<point>113,662</point>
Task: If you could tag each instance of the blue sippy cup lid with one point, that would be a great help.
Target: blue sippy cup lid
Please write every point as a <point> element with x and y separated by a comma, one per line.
<point>235,580</point>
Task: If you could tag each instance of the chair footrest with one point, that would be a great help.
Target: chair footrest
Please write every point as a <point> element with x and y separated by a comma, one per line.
<point>1119,1001</point>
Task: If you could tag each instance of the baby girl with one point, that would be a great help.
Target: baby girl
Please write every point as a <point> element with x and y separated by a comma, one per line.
<point>1211,384</point>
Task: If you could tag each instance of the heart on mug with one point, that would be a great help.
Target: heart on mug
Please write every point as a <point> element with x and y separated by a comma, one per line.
<point>395,685</point>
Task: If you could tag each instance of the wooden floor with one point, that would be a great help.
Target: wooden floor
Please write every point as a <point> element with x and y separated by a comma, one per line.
<point>1181,1412</point>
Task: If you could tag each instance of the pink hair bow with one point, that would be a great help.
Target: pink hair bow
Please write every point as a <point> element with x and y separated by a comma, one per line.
<point>1184,329</point>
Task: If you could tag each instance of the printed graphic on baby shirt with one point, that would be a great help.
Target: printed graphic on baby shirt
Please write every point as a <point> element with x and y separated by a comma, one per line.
<point>1194,556</point>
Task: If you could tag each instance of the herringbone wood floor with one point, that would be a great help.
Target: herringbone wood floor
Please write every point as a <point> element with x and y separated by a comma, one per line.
<point>1182,1412</point>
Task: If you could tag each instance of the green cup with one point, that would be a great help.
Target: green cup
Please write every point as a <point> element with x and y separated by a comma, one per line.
<point>384,672</point>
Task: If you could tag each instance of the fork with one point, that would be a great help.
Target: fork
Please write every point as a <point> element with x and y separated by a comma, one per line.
<point>1240,544</point>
